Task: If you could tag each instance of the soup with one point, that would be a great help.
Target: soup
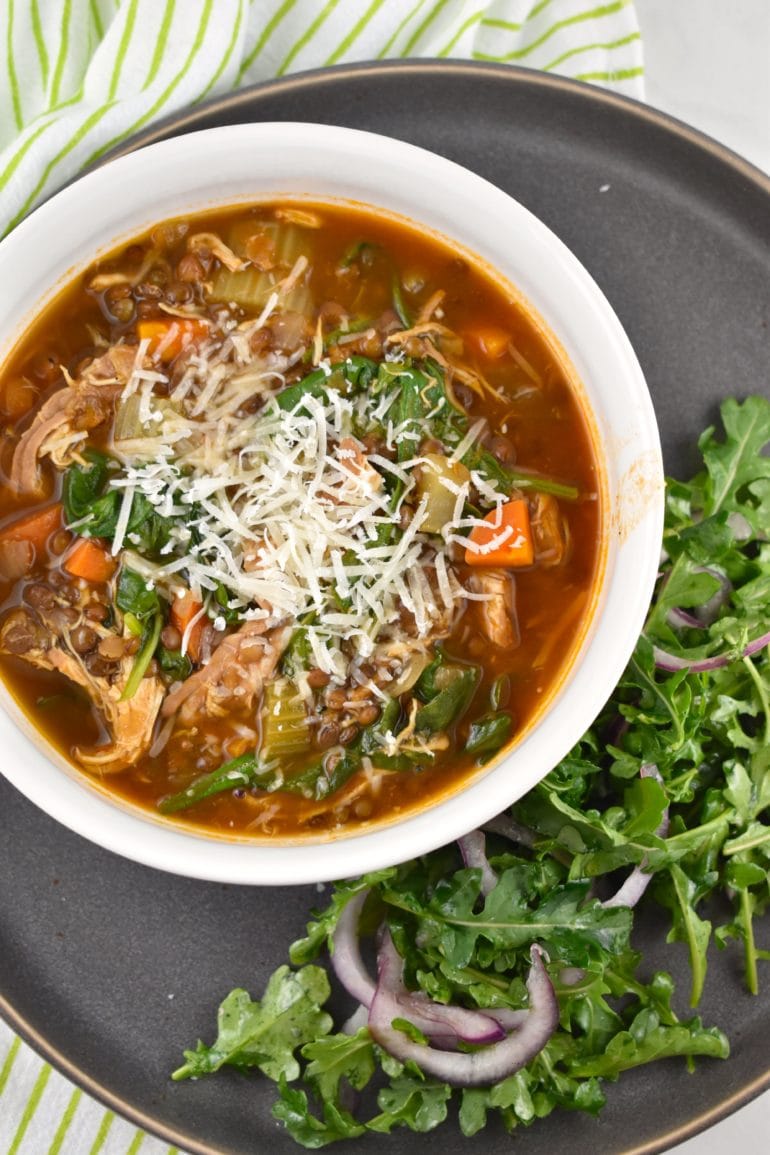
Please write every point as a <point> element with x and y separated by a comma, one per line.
<point>300,520</point>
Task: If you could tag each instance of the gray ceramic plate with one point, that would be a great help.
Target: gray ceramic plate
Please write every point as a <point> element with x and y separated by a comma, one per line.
<point>108,968</point>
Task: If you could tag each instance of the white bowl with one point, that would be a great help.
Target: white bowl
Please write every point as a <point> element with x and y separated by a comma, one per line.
<point>254,162</point>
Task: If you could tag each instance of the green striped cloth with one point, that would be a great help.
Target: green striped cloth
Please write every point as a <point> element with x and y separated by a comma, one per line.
<point>78,76</point>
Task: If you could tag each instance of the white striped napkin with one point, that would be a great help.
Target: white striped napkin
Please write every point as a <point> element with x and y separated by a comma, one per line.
<point>78,76</point>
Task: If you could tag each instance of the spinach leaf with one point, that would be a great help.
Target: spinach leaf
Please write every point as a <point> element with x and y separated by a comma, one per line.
<point>451,702</point>
<point>134,596</point>
<point>354,374</point>
<point>174,663</point>
<point>488,733</point>
<point>82,485</point>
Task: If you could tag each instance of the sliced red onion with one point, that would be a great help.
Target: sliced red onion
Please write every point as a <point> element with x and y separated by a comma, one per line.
<point>442,1024</point>
<point>680,619</point>
<point>707,613</point>
<point>346,953</point>
<point>672,663</point>
<point>473,849</point>
<point>447,1025</point>
<point>742,531</point>
<point>616,730</point>
<point>506,827</point>
<point>638,880</point>
<point>571,976</point>
<point>480,1068</point>
<point>508,1019</point>
<point>358,1019</point>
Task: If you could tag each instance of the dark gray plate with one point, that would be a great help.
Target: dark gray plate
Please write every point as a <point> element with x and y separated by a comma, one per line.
<point>108,968</point>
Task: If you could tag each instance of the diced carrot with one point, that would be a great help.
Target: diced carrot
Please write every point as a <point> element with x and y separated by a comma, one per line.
<point>89,560</point>
<point>489,340</point>
<point>36,528</point>
<point>169,338</point>
<point>183,610</point>
<point>505,538</point>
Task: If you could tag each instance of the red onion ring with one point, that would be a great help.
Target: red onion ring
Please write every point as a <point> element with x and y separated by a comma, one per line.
<point>707,613</point>
<point>680,619</point>
<point>346,954</point>
<point>479,1068</point>
<point>440,1023</point>
<point>672,663</point>
<point>358,1019</point>
<point>638,880</point>
<point>506,827</point>
<point>702,616</point>
<point>473,849</point>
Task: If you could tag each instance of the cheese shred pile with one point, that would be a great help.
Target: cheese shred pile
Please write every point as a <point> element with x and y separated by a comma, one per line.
<point>283,509</point>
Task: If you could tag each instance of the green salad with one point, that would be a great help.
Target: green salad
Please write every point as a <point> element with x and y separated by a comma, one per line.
<point>507,977</point>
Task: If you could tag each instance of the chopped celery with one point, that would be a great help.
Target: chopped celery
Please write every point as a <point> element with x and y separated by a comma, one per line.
<point>441,499</point>
<point>128,422</point>
<point>251,288</point>
<point>248,288</point>
<point>291,242</point>
<point>285,729</point>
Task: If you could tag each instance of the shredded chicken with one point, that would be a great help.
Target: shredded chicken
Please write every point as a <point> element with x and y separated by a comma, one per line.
<point>549,530</point>
<point>130,722</point>
<point>497,613</point>
<point>216,246</point>
<point>303,217</point>
<point>63,422</point>
<point>234,676</point>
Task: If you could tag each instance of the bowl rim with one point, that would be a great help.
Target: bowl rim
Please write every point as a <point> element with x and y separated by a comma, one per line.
<point>156,842</point>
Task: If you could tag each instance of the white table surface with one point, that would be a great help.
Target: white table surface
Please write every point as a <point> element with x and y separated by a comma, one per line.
<point>707,62</point>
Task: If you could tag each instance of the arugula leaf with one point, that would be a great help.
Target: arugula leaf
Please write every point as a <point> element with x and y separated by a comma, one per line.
<point>293,1110</point>
<point>648,1039</point>
<point>411,1102</point>
<point>336,1057</point>
<point>737,461</point>
<point>265,1034</point>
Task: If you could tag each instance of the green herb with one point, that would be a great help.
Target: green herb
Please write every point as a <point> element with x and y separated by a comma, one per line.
<point>143,609</point>
<point>221,605</point>
<point>317,780</point>
<point>491,470</point>
<point>595,815</point>
<point>399,307</point>
<point>245,770</point>
<point>351,375</point>
<point>488,733</point>
<point>174,663</point>
<point>451,702</point>
<point>134,596</point>
<point>266,1034</point>
<point>94,509</point>
<point>82,485</point>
